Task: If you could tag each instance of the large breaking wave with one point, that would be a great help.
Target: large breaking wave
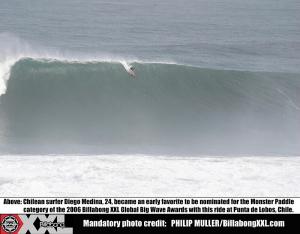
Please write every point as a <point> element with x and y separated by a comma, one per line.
<point>53,106</point>
<point>52,103</point>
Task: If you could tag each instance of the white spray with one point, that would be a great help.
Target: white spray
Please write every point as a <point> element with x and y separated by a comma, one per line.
<point>12,49</point>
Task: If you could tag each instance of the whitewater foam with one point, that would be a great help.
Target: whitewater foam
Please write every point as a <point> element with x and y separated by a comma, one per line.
<point>140,175</point>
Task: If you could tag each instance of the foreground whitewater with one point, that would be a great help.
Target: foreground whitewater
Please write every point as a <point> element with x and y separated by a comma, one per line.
<point>116,175</point>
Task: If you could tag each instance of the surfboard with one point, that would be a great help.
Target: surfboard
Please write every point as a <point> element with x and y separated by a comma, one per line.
<point>129,68</point>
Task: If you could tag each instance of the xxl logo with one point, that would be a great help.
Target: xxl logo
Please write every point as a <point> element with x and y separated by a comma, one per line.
<point>44,224</point>
<point>34,224</point>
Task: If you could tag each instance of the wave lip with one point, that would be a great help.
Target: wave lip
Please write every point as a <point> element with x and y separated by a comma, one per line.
<point>14,49</point>
<point>7,64</point>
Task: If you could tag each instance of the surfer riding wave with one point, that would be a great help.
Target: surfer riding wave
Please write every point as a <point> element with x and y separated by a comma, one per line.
<point>129,68</point>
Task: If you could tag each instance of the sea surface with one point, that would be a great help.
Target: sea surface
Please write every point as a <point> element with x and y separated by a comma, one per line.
<point>214,78</point>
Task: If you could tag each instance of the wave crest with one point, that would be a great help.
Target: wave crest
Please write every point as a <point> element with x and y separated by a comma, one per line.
<point>14,49</point>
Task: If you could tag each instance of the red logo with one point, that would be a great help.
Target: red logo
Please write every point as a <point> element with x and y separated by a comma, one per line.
<point>10,223</point>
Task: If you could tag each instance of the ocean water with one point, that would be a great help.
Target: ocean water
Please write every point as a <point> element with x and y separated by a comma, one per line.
<point>57,107</point>
<point>213,78</point>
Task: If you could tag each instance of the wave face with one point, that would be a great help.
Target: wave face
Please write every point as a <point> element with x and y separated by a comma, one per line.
<point>53,107</point>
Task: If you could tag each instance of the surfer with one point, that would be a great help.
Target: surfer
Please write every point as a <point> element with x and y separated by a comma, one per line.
<point>132,73</point>
<point>129,68</point>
